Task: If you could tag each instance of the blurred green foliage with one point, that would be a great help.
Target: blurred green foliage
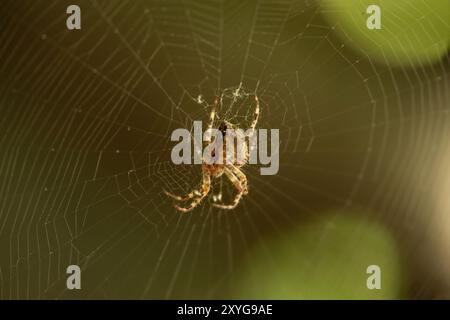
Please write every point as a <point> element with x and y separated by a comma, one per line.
<point>323,260</point>
<point>414,32</point>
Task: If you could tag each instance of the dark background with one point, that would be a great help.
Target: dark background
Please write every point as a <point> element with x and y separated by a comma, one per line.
<point>85,137</point>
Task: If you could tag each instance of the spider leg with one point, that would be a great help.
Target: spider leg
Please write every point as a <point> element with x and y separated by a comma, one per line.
<point>238,186</point>
<point>190,195</point>
<point>194,193</point>
<point>191,206</point>
<point>212,115</point>
<point>256,114</point>
<point>241,176</point>
<point>198,194</point>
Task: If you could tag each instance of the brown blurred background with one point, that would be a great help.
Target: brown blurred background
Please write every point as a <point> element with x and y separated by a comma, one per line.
<point>85,139</point>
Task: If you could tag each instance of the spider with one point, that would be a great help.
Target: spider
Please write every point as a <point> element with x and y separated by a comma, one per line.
<point>211,171</point>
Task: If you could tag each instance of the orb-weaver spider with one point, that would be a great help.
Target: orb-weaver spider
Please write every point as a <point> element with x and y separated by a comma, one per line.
<point>211,171</point>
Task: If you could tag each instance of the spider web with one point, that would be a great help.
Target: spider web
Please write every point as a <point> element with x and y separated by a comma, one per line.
<point>86,124</point>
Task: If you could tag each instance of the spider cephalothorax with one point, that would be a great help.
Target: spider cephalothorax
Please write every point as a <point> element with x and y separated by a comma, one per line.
<point>231,169</point>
